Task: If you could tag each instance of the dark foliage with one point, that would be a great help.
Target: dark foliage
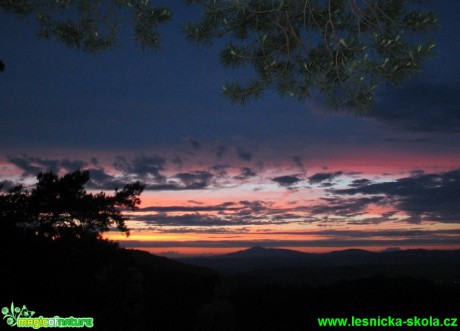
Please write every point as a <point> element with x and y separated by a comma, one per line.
<point>343,49</point>
<point>60,207</point>
<point>92,25</point>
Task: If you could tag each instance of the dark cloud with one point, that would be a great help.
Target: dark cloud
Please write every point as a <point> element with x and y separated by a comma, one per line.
<point>254,207</point>
<point>220,169</point>
<point>231,231</point>
<point>250,212</point>
<point>243,154</point>
<point>142,166</point>
<point>195,179</point>
<point>195,144</point>
<point>31,166</point>
<point>146,169</point>
<point>345,207</point>
<point>299,163</point>
<point>199,208</point>
<point>371,233</point>
<point>71,165</point>
<point>101,180</point>
<point>191,219</point>
<point>196,229</point>
<point>287,216</point>
<point>171,185</point>
<point>421,105</point>
<point>353,173</point>
<point>287,181</point>
<point>246,173</point>
<point>195,202</point>
<point>367,234</point>
<point>6,185</point>
<point>324,177</point>
<point>360,182</point>
<point>194,219</point>
<point>432,197</point>
<point>369,220</point>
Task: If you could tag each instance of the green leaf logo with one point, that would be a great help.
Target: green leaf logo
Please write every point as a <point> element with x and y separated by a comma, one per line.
<point>13,313</point>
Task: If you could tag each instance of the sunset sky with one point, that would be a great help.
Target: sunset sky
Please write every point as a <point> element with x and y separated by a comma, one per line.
<point>221,177</point>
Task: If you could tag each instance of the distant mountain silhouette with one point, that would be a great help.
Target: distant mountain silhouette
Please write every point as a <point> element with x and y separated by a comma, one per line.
<point>262,252</point>
<point>299,267</point>
<point>343,257</point>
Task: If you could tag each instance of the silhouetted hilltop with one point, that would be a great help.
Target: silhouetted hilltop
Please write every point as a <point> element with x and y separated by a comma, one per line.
<point>343,257</point>
<point>262,252</point>
<point>158,263</point>
<point>283,265</point>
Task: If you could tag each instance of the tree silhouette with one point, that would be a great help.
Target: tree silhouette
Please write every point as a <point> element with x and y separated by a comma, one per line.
<point>61,208</point>
<point>341,48</point>
<point>92,25</point>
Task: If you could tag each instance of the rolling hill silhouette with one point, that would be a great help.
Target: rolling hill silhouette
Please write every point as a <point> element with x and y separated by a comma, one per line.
<point>262,252</point>
<point>284,265</point>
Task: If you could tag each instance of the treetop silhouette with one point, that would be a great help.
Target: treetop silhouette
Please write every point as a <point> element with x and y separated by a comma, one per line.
<point>61,208</point>
<point>342,49</point>
<point>92,25</point>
